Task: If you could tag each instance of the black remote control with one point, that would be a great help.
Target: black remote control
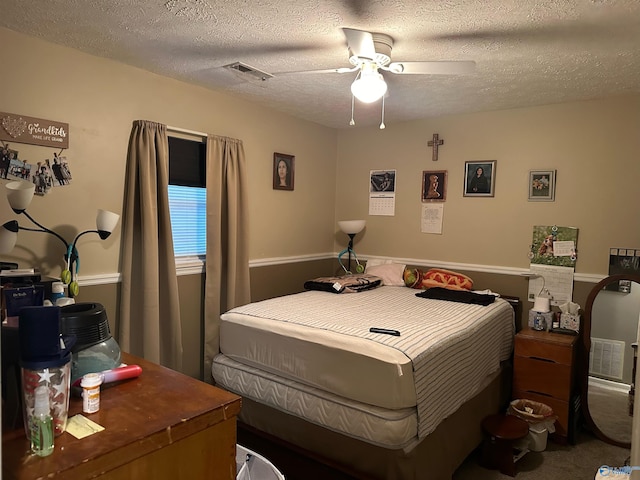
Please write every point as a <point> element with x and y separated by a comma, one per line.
<point>384,330</point>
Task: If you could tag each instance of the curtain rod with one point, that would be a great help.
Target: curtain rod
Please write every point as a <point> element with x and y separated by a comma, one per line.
<point>188,132</point>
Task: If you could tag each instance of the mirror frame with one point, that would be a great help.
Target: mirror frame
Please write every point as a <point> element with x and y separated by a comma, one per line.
<point>586,346</point>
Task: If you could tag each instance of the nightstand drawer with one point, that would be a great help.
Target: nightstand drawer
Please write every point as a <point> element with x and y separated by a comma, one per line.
<point>547,378</point>
<point>555,352</point>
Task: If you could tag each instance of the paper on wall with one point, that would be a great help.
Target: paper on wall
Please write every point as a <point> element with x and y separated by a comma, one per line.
<point>431,220</point>
<point>557,280</point>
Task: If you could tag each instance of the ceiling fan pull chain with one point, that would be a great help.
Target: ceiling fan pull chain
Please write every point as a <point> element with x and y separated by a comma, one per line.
<point>382,125</point>
<point>352,122</point>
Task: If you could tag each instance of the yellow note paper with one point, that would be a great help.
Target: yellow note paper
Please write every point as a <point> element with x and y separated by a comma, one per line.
<point>80,426</point>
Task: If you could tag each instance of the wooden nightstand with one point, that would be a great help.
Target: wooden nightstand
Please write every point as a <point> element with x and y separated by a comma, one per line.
<point>544,371</point>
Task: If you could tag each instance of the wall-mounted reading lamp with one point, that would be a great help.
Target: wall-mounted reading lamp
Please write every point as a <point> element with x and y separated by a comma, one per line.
<point>19,195</point>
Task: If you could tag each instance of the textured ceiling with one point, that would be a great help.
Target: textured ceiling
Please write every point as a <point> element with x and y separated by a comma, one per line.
<point>527,52</point>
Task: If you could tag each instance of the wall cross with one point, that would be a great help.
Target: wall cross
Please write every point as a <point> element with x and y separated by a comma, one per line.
<point>435,143</point>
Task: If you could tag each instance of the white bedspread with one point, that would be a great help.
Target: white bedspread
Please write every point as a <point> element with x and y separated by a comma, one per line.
<point>453,346</point>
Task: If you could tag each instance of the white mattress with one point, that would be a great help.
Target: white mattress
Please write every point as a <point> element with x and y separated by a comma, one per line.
<point>314,356</point>
<point>322,340</point>
<point>395,429</point>
<point>387,428</point>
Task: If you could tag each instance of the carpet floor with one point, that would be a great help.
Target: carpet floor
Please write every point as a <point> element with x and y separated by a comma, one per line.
<point>579,461</point>
<point>556,462</point>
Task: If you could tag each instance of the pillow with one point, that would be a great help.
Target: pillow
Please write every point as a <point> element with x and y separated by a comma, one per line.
<point>391,273</point>
<point>436,277</point>
<point>344,284</point>
<point>439,277</point>
<point>372,262</point>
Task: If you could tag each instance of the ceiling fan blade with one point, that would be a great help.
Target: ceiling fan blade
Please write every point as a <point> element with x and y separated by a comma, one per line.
<point>219,53</point>
<point>325,70</point>
<point>432,68</point>
<point>357,7</point>
<point>360,43</point>
<point>586,30</point>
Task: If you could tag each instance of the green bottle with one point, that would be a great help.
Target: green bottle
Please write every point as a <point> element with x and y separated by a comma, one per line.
<point>41,424</point>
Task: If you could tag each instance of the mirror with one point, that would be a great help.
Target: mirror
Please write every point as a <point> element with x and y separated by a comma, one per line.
<point>609,334</point>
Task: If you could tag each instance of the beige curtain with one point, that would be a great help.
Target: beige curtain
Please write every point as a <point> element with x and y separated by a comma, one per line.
<point>149,320</point>
<point>227,270</point>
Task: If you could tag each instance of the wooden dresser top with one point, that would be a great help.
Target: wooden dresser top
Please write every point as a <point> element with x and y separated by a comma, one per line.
<point>140,415</point>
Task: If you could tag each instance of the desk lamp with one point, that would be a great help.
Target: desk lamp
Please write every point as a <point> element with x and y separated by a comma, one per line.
<point>351,228</point>
<point>542,301</point>
<point>541,304</point>
<point>19,195</point>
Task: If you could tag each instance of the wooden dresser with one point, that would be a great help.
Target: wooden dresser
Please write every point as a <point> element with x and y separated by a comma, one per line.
<point>160,425</point>
<point>545,371</point>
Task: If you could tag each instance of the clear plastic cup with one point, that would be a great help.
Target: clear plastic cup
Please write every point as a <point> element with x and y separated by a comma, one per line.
<point>58,380</point>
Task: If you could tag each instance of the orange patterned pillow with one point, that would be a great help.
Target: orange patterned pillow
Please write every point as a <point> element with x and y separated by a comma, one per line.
<point>437,277</point>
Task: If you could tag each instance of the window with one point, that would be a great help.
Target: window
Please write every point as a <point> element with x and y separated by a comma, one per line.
<point>187,197</point>
<point>188,220</point>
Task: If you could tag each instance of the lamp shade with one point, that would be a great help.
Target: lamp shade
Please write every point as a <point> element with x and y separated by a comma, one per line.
<point>351,227</point>
<point>19,195</point>
<point>8,236</point>
<point>106,221</point>
<point>542,304</point>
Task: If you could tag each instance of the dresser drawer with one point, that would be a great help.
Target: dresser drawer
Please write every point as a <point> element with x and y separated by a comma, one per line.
<point>555,352</point>
<point>540,376</point>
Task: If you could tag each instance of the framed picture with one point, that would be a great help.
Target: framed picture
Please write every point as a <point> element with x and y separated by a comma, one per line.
<point>542,185</point>
<point>382,181</point>
<point>479,178</point>
<point>434,185</point>
<point>283,171</point>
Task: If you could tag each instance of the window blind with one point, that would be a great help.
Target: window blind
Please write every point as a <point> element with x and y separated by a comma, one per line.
<point>188,220</point>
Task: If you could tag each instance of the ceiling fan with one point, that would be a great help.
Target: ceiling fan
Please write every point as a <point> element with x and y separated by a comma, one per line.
<point>371,52</point>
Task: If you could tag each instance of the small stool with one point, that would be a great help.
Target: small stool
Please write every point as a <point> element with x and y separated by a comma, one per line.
<point>501,432</point>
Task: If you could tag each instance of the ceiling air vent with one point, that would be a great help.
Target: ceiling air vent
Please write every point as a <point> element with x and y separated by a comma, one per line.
<point>248,70</point>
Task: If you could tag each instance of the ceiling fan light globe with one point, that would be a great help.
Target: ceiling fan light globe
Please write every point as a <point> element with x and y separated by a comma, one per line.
<point>369,88</point>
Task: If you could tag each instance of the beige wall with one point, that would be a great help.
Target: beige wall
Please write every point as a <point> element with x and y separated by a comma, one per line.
<point>594,146</point>
<point>99,99</point>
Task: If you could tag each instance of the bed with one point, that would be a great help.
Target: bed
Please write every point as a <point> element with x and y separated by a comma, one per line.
<point>390,407</point>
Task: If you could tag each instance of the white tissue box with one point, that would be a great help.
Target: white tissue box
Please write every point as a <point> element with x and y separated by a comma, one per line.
<point>570,321</point>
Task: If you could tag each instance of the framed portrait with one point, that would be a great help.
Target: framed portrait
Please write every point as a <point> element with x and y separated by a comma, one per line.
<point>542,185</point>
<point>283,171</point>
<point>434,186</point>
<point>479,178</point>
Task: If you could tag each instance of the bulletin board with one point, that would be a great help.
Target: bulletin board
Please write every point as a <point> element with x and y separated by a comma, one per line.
<point>553,255</point>
<point>553,245</point>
